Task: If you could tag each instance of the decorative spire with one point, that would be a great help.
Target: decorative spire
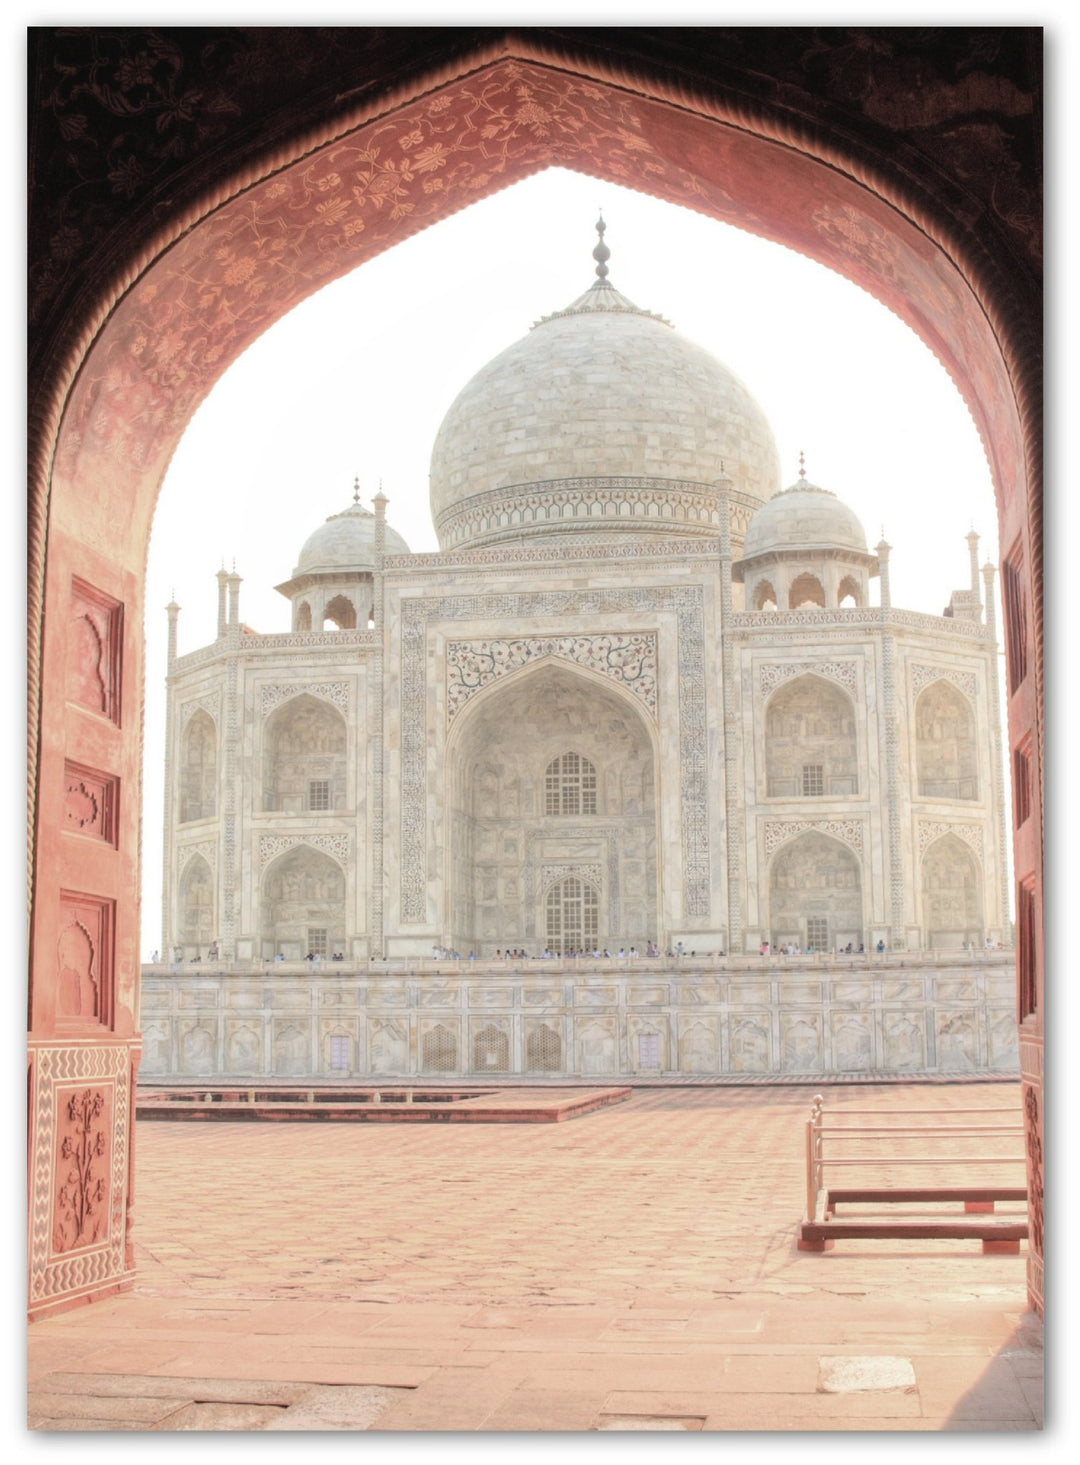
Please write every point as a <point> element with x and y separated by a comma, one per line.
<point>601,253</point>
<point>802,466</point>
<point>356,489</point>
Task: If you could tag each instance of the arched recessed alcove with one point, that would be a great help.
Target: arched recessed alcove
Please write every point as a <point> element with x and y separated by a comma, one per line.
<point>158,320</point>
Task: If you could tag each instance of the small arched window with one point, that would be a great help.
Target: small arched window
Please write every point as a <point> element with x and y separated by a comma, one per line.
<point>764,596</point>
<point>340,613</point>
<point>570,785</point>
<point>806,590</point>
<point>303,616</point>
<point>848,591</point>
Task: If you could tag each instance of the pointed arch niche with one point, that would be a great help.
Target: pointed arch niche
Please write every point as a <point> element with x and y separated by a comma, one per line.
<point>815,894</point>
<point>952,910</point>
<point>304,764</point>
<point>195,924</point>
<point>811,742</point>
<point>303,904</point>
<point>508,851</point>
<point>172,302</point>
<point>198,769</point>
<point>945,754</point>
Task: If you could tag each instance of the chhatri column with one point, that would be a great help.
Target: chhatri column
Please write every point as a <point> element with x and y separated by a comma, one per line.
<point>895,866</point>
<point>231,723</point>
<point>734,812</point>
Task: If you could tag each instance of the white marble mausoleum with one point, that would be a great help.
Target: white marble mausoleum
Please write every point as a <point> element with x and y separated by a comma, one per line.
<point>642,697</point>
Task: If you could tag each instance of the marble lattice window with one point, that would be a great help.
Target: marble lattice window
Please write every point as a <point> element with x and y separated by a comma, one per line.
<point>319,794</point>
<point>573,916</point>
<point>813,780</point>
<point>543,1050</point>
<point>318,943</point>
<point>439,1050</point>
<point>817,933</point>
<point>570,785</point>
<point>339,1053</point>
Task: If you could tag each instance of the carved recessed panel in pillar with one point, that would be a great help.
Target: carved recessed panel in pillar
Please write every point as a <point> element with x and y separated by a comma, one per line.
<point>91,802</point>
<point>84,960</point>
<point>94,650</point>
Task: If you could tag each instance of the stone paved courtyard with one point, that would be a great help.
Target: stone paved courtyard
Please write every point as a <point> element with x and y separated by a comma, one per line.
<point>632,1269</point>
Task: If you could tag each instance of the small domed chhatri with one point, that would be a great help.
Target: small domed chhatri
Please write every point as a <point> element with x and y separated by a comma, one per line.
<point>346,542</point>
<point>602,418</point>
<point>805,547</point>
<point>333,579</point>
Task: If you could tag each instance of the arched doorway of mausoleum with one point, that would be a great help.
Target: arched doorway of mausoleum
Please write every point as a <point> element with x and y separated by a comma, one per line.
<point>552,816</point>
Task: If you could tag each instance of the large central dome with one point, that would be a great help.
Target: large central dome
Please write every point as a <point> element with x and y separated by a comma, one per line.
<point>602,417</point>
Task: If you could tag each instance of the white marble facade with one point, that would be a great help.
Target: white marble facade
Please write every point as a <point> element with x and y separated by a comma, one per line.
<point>640,696</point>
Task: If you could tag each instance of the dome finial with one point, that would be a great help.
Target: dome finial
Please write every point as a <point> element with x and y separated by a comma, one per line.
<point>601,253</point>
<point>802,466</point>
<point>356,488</point>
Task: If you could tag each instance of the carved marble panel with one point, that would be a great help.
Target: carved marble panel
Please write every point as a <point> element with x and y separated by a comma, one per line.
<point>243,1048</point>
<point>904,1036</point>
<point>597,1046</point>
<point>699,1045</point>
<point>750,1043</point>
<point>388,1045</point>
<point>83,1172</point>
<point>852,1042</point>
<point>291,1046</point>
<point>198,1046</point>
<point>956,1040</point>
<point>627,658</point>
<point>800,1043</point>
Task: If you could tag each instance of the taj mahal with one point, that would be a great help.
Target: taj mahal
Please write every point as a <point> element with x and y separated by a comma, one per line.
<point>641,773</point>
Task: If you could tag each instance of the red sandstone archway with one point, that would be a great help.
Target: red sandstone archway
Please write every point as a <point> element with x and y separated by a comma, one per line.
<point>152,341</point>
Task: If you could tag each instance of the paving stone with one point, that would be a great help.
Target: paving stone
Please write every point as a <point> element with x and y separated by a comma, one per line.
<point>345,1407</point>
<point>221,1417</point>
<point>852,1375</point>
<point>151,1386</point>
<point>89,1406</point>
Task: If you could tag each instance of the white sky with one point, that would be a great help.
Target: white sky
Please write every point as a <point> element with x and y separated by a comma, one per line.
<point>356,381</point>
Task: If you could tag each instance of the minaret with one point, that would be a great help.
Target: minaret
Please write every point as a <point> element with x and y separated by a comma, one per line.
<point>895,869</point>
<point>377,878</point>
<point>883,569</point>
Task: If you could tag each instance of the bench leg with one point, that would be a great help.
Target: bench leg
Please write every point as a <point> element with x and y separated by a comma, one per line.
<point>1000,1248</point>
<point>979,1207</point>
<point>802,1245</point>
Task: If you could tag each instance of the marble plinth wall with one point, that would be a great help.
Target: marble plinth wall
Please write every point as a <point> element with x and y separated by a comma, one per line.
<point>590,1021</point>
